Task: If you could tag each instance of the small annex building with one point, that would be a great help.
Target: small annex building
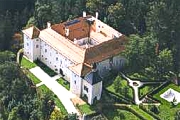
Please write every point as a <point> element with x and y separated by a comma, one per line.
<point>84,50</point>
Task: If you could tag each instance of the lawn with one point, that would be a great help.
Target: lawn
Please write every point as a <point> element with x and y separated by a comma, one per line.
<point>128,93</point>
<point>167,110</point>
<point>87,109</point>
<point>164,102</point>
<point>34,79</point>
<point>141,112</point>
<point>64,83</point>
<point>27,64</point>
<point>146,89</point>
<point>44,90</point>
<point>118,114</point>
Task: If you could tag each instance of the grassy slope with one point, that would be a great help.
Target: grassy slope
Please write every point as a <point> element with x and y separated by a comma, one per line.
<point>27,64</point>
<point>124,84</point>
<point>115,115</point>
<point>44,90</point>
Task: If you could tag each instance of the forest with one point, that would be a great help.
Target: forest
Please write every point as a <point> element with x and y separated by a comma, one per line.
<point>153,48</point>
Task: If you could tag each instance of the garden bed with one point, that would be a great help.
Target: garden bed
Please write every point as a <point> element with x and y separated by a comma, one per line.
<point>64,83</point>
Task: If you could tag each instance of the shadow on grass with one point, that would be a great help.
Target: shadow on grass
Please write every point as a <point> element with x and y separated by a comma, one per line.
<point>45,68</point>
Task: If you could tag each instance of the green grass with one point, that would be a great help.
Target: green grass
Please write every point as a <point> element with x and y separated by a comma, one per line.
<point>64,83</point>
<point>27,64</point>
<point>87,109</point>
<point>45,68</point>
<point>167,110</point>
<point>142,113</point>
<point>122,93</point>
<point>146,89</point>
<point>157,95</point>
<point>34,79</point>
<point>45,89</point>
<point>61,106</point>
<point>115,114</point>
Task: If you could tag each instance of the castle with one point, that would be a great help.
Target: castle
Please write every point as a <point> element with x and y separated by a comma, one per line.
<point>84,49</point>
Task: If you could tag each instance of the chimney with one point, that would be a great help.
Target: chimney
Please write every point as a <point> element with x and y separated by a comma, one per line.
<point>48,25</point>
<point>75,41</point>
<point>97,14</point>
<point>67,31</point>
<point>84,13</point>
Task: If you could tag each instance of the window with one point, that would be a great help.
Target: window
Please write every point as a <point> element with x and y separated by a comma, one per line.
<point>45,50</point>
<point>86,88</point>
<point>37,39</point>
<point>56,58</point>
<point>45,58</point>
<point>42,55</point>
<point>37,46</point>
<point>74,82</point>
<point>111,61</point>
<point>27,44</point>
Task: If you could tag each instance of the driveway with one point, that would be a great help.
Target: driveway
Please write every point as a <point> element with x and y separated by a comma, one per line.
<point>62,93</point>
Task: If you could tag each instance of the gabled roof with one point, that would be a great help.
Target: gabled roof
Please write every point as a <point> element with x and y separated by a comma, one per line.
<point>81,69</point>
<point>32,32</point>
<point>62,45</point>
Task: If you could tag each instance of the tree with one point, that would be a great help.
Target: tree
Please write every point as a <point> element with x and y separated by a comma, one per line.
<point>164,65</point>
<point>163,20</point>
<point>56,115</point>
<point>140,52</point>
<point>18,101</point>
<point>177,116</point>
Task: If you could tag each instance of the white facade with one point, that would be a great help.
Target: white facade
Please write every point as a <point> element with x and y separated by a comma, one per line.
<point>76,84</point>
<point>92,92</point>
<point>31,47</point>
